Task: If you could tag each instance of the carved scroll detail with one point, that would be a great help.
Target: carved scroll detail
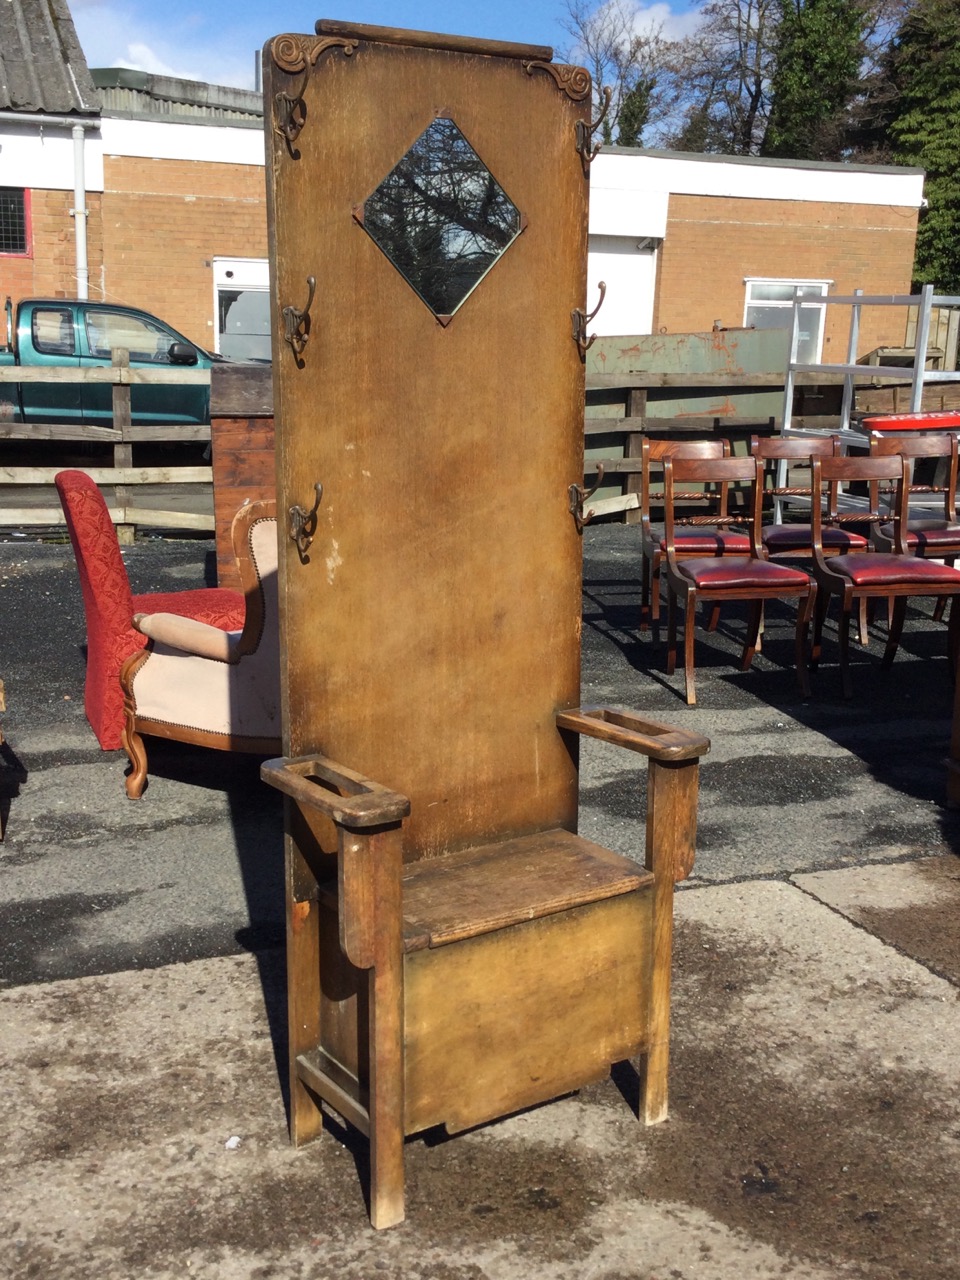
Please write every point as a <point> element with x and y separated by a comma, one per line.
<point>297,53</point>
<point>294,54</point>
<point>573,81</point>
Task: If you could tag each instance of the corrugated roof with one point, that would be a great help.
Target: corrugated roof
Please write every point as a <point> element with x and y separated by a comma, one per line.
<point>42,67</point>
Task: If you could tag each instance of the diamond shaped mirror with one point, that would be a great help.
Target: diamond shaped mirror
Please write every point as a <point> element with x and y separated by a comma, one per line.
<point>441,218</point>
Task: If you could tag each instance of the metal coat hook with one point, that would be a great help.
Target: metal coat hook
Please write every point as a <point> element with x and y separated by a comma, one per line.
<point>579,495</point>
<point>296,324</point>
<point>303,524</point>
<point>586,131</point>
<point>580,322</point>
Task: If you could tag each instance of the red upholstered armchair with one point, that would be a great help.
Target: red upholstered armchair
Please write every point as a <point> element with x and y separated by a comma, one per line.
<point>109,604</point>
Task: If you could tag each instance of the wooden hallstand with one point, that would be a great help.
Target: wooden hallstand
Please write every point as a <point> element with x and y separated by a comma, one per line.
<point>456,951</point>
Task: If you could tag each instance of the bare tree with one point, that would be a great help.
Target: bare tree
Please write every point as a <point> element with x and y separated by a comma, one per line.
<point>723,76</point>
<point>624,52</point>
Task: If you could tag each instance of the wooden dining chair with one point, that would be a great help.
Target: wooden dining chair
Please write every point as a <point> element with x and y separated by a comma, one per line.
<point>933,536</point>
<point>893,576</point>
<point>793,539</point>
<point>704,541</point>
<point>722,578</point>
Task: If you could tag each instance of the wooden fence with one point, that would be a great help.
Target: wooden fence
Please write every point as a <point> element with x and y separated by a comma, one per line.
<point>27,497</point>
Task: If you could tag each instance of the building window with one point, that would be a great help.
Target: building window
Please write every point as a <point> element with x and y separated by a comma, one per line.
<point>769,305</point>
<point>13,220</point>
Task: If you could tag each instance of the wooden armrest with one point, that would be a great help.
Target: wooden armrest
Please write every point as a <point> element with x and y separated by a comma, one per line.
<point>190,636</point>
<point>661,742</point>
<point>348,798</point>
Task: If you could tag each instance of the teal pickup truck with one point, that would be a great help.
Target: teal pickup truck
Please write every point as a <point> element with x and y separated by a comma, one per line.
<point>57,333</point>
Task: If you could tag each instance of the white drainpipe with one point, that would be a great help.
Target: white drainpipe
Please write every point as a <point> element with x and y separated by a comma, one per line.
<point>79,211</point>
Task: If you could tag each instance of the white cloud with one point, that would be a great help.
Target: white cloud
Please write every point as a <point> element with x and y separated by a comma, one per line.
<point>117,35</point>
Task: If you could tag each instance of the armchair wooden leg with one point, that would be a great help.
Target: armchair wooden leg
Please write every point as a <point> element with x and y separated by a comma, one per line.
<point>386,1034</point>
<point>303,980</point>
<point>671,836</point>
<point>132,743</point>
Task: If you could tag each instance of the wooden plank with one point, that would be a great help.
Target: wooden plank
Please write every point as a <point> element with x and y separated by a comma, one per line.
<point>54,431</point>
<point>241,391</point>
<point>64,431</point>
<point>611,506</point>
<point>110,374</point>
<point>111,475</point>
<point>166,519</point>
<point>41,517</point>
<point>611,426</point>
<point>244,468</point>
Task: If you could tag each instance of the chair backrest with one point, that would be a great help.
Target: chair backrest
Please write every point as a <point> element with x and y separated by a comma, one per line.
<point>107,599</point>
<point>831,474</point>
<point>777,452</point>
<point>715,475</point>
<point>253,533</point>
<point>914,446</point>
<point>653,452</point>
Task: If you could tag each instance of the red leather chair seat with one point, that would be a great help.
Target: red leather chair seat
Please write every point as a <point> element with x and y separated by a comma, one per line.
<point>882,570</point>
<point>729,572</point>
<point>794,537</point>
<point>709,543</point>
<point>928,535</point>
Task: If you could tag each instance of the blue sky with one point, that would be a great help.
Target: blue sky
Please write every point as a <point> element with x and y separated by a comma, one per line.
<point>199,40</point>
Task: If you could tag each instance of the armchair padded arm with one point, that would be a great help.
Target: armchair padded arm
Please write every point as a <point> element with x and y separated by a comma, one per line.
<point>348,798</point>
<point>189,635</point>
<point>661,742</point>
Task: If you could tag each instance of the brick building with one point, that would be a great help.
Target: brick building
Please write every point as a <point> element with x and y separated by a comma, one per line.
<point>148,190</point>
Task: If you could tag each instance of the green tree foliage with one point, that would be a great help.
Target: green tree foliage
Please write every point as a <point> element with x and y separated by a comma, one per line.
<point>925,131</point>
<point>817,59</point>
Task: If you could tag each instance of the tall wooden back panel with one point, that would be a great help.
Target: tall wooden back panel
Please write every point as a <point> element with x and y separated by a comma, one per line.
<point>433,629</point>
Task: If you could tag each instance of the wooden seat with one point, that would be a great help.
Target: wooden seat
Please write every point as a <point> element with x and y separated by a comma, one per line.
<point>455,950</point>
<point>749,577</point>
<point>893,576</point>
<point>704,542</point>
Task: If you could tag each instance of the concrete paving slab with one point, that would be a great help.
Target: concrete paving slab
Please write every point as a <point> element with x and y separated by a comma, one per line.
<point>815,1130</point>
<point>913,906</point>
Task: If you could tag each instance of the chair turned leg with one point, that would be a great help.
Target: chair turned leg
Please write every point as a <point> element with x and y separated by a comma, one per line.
<point>819,615</point>
<point>863,621</point>
<point>804,611</point>
<point>132,742</point>
<point>655,588</point>
<point>844,637</point>
<point>754,620</point>
<point>897,614</point>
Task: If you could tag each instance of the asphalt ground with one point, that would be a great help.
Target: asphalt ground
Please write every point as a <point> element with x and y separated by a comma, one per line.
<point>815,1115</point>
